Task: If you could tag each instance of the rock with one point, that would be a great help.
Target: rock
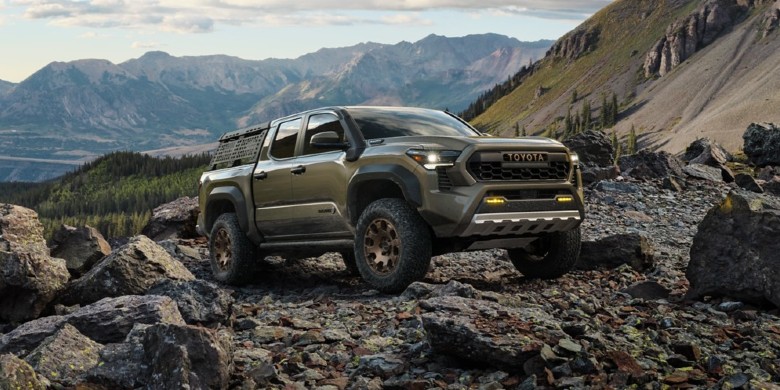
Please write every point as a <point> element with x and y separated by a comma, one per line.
<point>420,290</point>
<point>486,332</point>
<point>762,144</point>
<point>380,365</point>
<point>707,152</point>
<point>30,278</point>
<point>672,184</point>
<point>747,182</point>
<point>597,174</point>
<point>176,219</point>
<point>734,252</point>
<point>618,186</point>
<point>647,290</point>
<point>15,373</point>
<point>615,250</point>
<point>706,172</point>
<point>772,187</point>
<point>80,247</point>
<point>111,319</point>
<point>129,270</point>
<point>689,34</point>
<point>65,356</point>
<point>650,165</point>
<point>185,356</point>
<point>121,364</point>
<point>29,335</point>
<point>575,43</point>
<point>767,173</point>
<point>594,148</point>
<point>200,302</point>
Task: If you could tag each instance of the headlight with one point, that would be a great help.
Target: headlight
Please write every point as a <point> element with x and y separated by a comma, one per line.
<point>574,158</point>
<point>432,159</point>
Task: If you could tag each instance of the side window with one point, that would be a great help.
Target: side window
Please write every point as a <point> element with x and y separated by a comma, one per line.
<point>319,123</point>
<point>284,141</point>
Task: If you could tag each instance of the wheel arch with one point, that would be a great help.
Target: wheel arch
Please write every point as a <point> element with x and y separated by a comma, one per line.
<point>225,200</point>
<point>375,182</point>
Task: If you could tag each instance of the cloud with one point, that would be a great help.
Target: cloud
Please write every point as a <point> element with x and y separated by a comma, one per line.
<point>203,16</point>
<point>145,45</point>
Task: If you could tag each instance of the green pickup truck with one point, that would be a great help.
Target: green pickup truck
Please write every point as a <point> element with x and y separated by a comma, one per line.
<point>388,187</point>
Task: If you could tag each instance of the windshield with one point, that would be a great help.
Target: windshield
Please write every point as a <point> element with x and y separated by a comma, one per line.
<point>388,122</point>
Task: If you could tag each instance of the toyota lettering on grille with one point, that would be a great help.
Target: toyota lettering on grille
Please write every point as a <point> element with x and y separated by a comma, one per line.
<point>528,157</point>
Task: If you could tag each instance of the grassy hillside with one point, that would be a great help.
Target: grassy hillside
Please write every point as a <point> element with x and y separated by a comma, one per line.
<point>115,193</point>
<point>627,29</point>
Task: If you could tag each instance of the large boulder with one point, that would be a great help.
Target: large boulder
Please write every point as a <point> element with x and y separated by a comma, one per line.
<point>176,219</point>
<point>762,144</point>
<point>65,356</point>
<point>15,373</point>
<point>185,356</point>
<point>735,251</point>
<point>200,302</point>
<point>80,247</point>
<point>107,321</point>
<point>130,270</point>
<point>111,319</point>
<point>650,165</point>
<point>615,250</point>
<point>487,332</point>
<point>594,148</point>
<point>26,337</point>
<point>706,172</point>
<point>707,152</point>
<point>30,277</point>
<point>165,356</point>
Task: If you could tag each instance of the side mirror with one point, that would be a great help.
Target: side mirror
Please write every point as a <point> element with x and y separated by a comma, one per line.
<point>327,140</point>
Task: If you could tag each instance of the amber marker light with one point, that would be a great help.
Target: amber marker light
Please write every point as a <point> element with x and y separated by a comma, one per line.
<point>564,199</point>
<point>495,200</point>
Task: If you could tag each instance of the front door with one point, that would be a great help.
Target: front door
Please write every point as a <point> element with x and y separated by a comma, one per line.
<point>272,183</point>
<point>319,182</point>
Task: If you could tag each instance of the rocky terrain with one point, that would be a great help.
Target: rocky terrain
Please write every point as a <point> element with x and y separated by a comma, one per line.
<point>676,288</point>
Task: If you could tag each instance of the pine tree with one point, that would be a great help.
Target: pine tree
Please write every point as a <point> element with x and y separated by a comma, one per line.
<point>605,112</point>
<point>524,133</point>
<point>517,129</point>
<point>613,115</point>
<point>632,142</point>
<point>587,119</point>
<point>573,96</point>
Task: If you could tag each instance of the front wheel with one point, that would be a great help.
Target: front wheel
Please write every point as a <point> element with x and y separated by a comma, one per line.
<point>231,253</point>
<point>392,245</point>
<point>548,257</point>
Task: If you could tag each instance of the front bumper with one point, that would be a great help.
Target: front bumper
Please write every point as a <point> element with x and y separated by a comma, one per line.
<point>455,204</point>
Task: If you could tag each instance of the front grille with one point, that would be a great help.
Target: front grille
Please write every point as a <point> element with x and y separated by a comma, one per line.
<point>445,183</point>
<point>494,170</point>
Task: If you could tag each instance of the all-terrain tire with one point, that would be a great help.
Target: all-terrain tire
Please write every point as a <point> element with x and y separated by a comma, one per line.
<point>550,257</point>
<point>233,257</point>
<point>392,245</point>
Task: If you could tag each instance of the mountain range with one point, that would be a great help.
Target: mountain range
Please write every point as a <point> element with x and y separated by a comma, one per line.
<point>78,109</point>
<point>680,70</point>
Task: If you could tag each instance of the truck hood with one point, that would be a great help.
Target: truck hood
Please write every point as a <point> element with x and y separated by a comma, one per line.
<point>483,143</point>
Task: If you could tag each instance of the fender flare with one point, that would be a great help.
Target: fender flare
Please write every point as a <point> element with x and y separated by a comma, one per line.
<point>400,176</point>
<point>232,195</point>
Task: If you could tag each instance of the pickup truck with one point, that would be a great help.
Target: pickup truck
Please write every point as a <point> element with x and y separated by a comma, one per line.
<point>388,187</point>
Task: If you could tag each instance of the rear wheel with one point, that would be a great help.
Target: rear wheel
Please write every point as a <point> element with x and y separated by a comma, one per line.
<point>548,257</point>
<point>232,255</point>
<point>392,245</point>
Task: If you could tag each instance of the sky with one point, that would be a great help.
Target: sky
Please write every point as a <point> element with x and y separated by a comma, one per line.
<point>37,32</point>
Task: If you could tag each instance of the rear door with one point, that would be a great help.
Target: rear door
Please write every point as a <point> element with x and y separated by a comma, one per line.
<point>319,181</point>
<point>272,182</point>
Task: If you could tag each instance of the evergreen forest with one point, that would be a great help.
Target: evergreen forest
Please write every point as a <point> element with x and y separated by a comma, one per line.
<point>115,193</point>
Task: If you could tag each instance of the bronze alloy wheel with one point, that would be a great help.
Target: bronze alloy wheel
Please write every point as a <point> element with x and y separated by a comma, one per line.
<point>222,250</point>
<point>382,246</point>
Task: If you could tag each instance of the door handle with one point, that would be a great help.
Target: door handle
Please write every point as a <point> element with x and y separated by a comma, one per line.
<point>260,175</point>
<point>298,170</point>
